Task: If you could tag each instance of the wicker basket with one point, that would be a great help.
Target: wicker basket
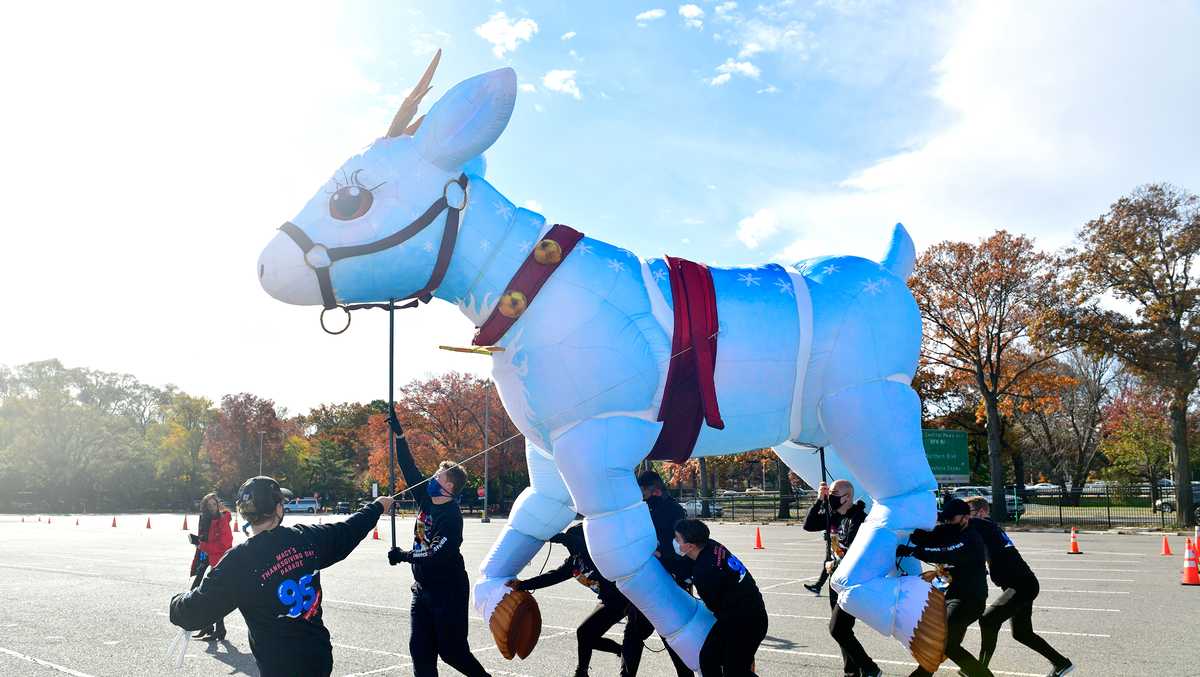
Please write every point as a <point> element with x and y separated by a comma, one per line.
<point>928,644</point>
<point>516,624</point>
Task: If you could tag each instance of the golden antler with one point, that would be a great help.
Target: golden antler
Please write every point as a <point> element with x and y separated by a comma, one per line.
<point>408,109</point>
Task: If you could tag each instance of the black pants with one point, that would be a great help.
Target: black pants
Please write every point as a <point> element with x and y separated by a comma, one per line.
<point>637,629</point>
<point>1017,604</point>
<point>218,628</point>
<point>960,613</point>
<point>841,627</point>
<point>729,649</point>
<point>439,628</point>
<point>590,634</point>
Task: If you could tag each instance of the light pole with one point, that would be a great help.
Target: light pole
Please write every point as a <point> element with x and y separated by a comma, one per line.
<point>260,446</point>
<point>487,402</point>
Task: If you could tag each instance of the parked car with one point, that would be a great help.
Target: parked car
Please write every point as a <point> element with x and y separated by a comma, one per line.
<point>308,505</point>
<point>754,490</point>
<point>693,508</point>
<point>342,508</point>
<point>1014,505</point>
<point>1167,502</point>
<point>1043,486</point>
<point>728,492</point>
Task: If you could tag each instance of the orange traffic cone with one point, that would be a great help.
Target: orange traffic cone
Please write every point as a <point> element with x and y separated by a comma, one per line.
<point>76,521</point>
<point>39,519</point>
<point>376,535</point>
<point>22,519</point>
<point>1074,549</point>
<point>47,520</point>
<point>1191,575</point>
<point>147,522</point>
<point>114,522</point>
<point>758,539</point>
<point>185,522</point>
<point>1166,547</point>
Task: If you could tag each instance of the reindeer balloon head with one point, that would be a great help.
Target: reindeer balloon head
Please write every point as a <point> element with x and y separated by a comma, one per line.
<point>395,206</point>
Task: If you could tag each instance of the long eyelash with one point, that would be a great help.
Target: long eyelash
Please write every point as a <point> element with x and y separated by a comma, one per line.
<point>351,180</point>
<point>354,179</point>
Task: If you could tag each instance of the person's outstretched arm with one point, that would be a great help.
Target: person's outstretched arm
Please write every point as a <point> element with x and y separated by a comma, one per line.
<point>552,577</point>
<point>336,541</point>
<point>408,467</point>
<point>215,599</point>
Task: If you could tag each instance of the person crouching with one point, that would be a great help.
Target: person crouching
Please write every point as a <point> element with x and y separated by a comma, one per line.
<point>730,593</point>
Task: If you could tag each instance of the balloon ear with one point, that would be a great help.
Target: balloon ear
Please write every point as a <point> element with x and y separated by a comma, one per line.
<point>468,119</point>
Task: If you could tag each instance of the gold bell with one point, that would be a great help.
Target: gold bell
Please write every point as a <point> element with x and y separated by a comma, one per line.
<point>512,304</point>
<point>547,252</point>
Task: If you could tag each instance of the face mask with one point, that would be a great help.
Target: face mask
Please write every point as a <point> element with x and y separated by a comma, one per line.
<point>435,488</point>
<point>678,551</point>
<point>835,501</point>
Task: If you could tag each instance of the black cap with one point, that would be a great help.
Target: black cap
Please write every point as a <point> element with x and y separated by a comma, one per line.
<point>650,479</point>
<point>259,496</point>
<point>953,507</point>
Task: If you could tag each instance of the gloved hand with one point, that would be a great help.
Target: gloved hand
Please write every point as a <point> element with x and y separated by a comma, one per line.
<point>193,539</point>
<point>396,556</point>
<point>203,556</point>
<point>559,538</point>
<point>904,550</point>
<point>394,424</point>
<point>515,583</point>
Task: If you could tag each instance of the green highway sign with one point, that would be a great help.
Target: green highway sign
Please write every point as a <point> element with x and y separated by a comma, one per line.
<point>947,454</point>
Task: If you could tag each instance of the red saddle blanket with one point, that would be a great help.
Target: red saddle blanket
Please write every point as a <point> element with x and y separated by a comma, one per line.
<point>690,397</point>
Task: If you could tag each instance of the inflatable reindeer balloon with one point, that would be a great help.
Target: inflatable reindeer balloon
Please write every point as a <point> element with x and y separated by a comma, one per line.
<point>608,358</point>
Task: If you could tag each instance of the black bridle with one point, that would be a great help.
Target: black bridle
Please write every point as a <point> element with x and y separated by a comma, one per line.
<point>320,258</point>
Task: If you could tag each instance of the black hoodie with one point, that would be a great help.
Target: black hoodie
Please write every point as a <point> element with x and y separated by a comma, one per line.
<point>844,526</point>
<point>274,579</point>
<point>963,553</point>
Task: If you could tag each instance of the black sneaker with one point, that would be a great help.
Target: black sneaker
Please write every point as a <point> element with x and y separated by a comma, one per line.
<point>203,634</point>
<point>877,672</point>
<point>814,588</point>
<point>1063,670</point>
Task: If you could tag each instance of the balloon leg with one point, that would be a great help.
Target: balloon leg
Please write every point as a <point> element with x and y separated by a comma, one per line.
<point>543,509</point>
<point>876,429</point>
<point>596,459</point>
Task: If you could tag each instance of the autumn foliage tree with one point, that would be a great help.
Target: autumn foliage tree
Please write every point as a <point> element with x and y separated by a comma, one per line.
<point>1143,254</point>
<point>982,307</point>
<point>232,439</point>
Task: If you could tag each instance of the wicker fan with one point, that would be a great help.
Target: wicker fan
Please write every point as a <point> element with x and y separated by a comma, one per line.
<point>928,644</point>
<point>516,624</point>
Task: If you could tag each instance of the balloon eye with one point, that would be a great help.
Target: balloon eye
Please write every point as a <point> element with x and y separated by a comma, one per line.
<point>349,203</point>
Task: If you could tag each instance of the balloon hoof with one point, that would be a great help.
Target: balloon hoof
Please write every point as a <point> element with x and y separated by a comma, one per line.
<point>928,645</point>
<point>516,624</point>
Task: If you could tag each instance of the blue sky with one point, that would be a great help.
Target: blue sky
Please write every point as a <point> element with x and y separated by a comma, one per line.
<point>151,149</point>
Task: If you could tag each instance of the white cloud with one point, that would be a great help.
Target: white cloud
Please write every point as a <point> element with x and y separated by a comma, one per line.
<point>727,70</point>
<point>567,36</point>
<point>769,89</point>
<point>533,205</point>
<point>1054,114</point>
<point>725,9</point>
<point>561,80</point>
<point>693,16</point>
<point>649,15</point>
<point>761,225</point>
<point>528,87</point>
<point>506,34</point>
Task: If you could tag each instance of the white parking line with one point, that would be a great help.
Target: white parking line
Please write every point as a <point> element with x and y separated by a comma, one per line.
<point>1076,608</point>
<point>780,585</point>
<point>838,657</point>
<point>44,663</point>
<point>1087,592</point>
<point>825,619</point>
<point>1102,580</point>
<point>1115,571</point>
<point>1086,553</point>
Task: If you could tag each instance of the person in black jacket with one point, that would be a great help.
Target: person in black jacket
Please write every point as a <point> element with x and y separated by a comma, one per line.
<point>613,605</point>
<point>840,528</point>
<point>440,592</point>
<point>664,513</point>
<point>274,579</point>
<point>730,593</point>
<point>963,556</point>
<point>1011,574</point>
